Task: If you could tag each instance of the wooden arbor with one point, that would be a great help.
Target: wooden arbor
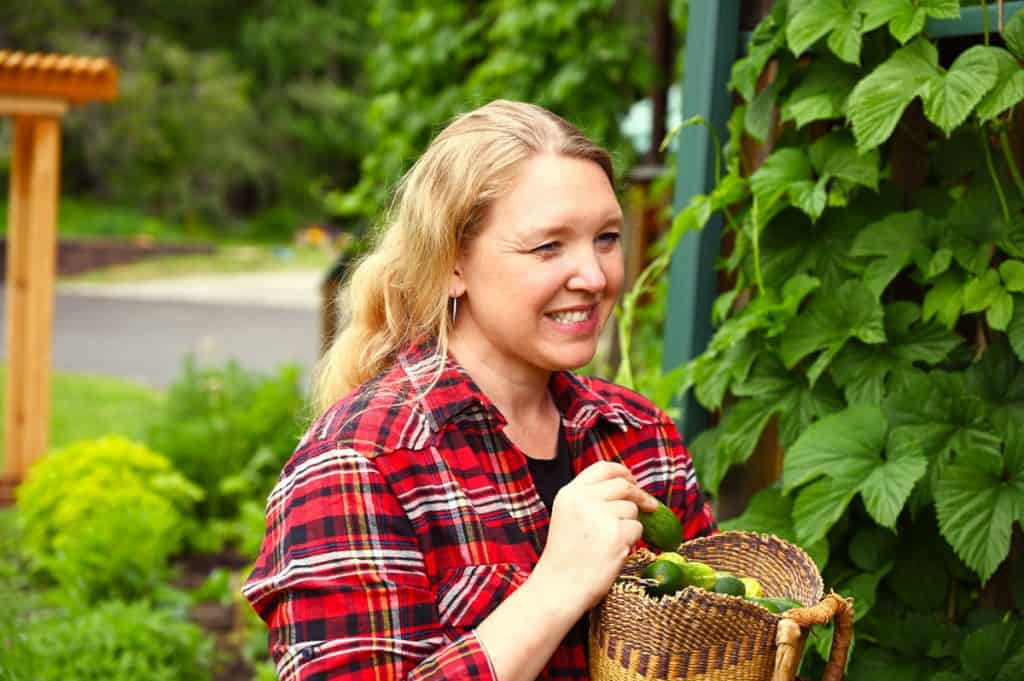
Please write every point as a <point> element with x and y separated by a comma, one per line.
<point>36,90</point>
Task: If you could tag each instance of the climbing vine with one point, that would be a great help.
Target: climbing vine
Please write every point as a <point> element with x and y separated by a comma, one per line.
<point>875,314</point>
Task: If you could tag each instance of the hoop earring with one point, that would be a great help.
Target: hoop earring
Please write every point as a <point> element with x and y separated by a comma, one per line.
<point>455,308</point>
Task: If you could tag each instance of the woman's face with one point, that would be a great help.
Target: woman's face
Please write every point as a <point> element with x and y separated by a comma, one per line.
<point>538,283</point>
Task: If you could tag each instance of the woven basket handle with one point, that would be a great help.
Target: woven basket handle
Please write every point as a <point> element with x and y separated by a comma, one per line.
<point>790,637</point>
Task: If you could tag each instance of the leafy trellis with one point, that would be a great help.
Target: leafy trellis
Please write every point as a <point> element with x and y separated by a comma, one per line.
<point>876,314</point>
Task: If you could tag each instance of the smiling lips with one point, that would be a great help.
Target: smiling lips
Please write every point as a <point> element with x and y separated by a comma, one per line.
<point>574,316</point>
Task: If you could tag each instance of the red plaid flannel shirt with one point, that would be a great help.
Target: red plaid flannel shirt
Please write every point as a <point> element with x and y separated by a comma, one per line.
<point>403,519</point>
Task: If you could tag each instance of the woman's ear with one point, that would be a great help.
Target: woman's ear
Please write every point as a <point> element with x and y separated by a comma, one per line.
<point>456,284</point>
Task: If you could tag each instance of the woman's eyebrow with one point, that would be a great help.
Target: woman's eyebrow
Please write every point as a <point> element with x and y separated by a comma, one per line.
<point>556,229</point>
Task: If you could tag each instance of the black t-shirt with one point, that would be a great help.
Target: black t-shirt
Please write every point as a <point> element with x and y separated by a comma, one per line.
<point>549,476</point>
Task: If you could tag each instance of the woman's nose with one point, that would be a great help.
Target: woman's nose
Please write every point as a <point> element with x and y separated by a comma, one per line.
<point>588,274</point>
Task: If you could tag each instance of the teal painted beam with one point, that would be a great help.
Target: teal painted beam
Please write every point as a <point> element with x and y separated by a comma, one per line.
<point>711,48</point>
<point>972,20</point>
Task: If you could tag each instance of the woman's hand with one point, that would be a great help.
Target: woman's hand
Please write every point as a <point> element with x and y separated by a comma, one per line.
<point>593,528</point>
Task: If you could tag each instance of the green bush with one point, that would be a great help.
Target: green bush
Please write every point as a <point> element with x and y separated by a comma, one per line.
<point>114,641</point>
<point>230,431</point>
<point>103,516</point>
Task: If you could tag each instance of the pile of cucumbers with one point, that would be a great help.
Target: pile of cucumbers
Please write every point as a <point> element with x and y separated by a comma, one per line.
<point>671,572</point>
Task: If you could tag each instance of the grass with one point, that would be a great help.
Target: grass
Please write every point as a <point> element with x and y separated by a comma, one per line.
<point>83,406</point>
<point>83,218</point>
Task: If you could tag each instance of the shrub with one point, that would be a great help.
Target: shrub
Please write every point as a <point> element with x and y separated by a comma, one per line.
<point>102,516</point>
<point>115,641</point>
<point>230,431</point>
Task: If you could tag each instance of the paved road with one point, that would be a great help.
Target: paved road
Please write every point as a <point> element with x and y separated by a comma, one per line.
<point>147,340</point>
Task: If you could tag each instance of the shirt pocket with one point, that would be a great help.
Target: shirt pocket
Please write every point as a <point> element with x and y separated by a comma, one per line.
<point>467,595</point>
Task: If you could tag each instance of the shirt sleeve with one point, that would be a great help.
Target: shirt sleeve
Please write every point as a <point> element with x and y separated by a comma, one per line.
<point>685,496</point>
<point>341,583</point>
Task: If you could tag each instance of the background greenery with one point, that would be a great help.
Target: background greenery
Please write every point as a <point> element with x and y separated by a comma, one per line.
<point>256,118</point>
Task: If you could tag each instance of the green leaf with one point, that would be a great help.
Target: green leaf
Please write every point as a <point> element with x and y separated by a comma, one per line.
<point>982,291</point>
<point>847,444</point>
<point>877,102</point>
<point>1000,313</point>
<point>1009,87</point>
<point>812,22</point>
<point>985,651</point>
<point>773,180</point>
<point>1015,329</point>
<point>998,379</point>
<point>845,40</point>
<point>886,490</point>
<point>1013,33</point>
<point>769,512</point>
<point>831,319</point>
<point>872,547</point>
<point>836,155</point>
<point>949,98</point>
<point>945,300</point>
<point>976,510</point>
<point>766,40</point>
<point>819,505</point>
<point>862,588</point>
<point>821,92</point>
<point>846,448</point>
<point>1012,272</point>
<point>810,197</point>
<point>758,119</point>
<point>897,238</point>
<point>741,428</point>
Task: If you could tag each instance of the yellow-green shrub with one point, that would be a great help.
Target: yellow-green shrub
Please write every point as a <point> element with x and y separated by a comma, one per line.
<point>103,516</point>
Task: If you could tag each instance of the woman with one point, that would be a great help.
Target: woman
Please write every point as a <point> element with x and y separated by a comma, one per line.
<point>468,499</point>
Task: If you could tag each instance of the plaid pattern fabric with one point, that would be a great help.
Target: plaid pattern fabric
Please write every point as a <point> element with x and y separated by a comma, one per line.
<point>405,517</point>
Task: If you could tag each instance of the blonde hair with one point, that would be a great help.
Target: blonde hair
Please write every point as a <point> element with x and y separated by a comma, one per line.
<point>399,291</point>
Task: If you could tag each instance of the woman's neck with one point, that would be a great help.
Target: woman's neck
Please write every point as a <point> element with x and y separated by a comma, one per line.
<point>521,396</point>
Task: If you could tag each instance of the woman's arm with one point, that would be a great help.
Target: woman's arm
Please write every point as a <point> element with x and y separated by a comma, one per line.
<point>341,580</point>
<point>593,528</point>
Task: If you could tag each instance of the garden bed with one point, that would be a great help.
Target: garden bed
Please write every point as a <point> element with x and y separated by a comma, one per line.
<point>75,256</point>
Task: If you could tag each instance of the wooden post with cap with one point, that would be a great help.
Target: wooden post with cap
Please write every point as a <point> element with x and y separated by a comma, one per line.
<point>36,90</point>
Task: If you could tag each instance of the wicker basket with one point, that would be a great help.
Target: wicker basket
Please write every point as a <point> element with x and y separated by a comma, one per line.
<point>696,635</point>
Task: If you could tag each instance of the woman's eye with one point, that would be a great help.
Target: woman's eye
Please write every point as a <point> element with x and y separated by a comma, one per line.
<point>548,248</point>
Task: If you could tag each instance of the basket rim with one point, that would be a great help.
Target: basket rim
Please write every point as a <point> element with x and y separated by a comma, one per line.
<point>819,582</point>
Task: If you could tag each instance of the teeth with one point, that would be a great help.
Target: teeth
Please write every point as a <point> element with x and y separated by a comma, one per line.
<point>570,317</point>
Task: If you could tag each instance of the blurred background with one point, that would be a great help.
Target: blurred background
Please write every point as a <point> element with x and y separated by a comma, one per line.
<point>205,218</point>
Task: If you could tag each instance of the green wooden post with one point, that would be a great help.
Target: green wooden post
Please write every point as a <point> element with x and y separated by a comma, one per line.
<point>711,43</point>
<point>972,20</point>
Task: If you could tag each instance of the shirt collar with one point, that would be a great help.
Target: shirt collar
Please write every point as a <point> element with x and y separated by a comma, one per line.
<point>447,392</point>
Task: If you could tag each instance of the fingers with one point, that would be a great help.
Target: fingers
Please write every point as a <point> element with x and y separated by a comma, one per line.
<point>604,470</point>
<point>621,488</point>
<point>623,510</point>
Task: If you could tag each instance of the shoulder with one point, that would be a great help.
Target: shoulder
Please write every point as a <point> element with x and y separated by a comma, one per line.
<point>380,416</point>
<point>632,406</point>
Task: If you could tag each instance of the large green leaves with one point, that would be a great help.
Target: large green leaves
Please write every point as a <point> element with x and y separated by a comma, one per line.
<point>833,318</point>
<point>906,18</point>
<point>861,370</point>
<point>978,499</point>
<point>821,93</point>
<point>840,456</point>
<point>834,18</point>
<point>770,512</point>
<point>1009,87</point>
<point>949,98</point>
<point>878,101</point>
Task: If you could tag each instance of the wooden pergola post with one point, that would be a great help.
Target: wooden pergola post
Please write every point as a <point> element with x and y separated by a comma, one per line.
<point>31,260</point>
<point>36,90</point>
